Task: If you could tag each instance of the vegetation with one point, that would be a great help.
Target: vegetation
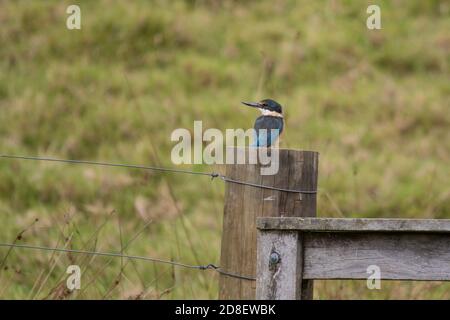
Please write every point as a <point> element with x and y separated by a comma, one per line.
<point>374,103</point>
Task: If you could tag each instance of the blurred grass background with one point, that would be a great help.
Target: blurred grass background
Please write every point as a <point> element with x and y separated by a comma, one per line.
<point>374,103</point>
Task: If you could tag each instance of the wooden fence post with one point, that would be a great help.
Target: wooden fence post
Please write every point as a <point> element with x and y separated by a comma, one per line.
<point>298,170</point>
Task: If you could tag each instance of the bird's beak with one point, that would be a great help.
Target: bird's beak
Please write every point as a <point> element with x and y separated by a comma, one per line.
<point>251,104</point>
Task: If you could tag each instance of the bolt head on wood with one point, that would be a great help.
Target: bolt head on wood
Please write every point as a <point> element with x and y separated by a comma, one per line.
<point>274,258</point>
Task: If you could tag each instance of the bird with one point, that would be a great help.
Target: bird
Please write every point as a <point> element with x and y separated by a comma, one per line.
<point>269,125</point>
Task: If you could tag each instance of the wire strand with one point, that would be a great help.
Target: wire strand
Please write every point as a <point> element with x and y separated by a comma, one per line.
<point>120,255</point>
<point>105,164</point>
<point>161,169</point>
<point>226,179</point>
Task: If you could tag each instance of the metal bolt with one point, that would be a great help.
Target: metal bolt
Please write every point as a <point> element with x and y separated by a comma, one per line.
<point>274,258</point>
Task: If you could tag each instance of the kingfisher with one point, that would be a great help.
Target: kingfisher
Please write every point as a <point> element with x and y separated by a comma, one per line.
<point>269,125</point>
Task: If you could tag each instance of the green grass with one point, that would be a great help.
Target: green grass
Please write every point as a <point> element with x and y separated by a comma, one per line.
<point>375,104</point>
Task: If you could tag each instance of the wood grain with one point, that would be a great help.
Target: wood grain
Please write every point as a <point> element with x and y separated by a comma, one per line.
<point>399,255</point>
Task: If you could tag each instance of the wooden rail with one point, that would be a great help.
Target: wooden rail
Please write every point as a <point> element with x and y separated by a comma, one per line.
<point>292,250</point>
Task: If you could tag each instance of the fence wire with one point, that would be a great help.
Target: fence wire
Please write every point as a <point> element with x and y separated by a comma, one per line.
<point>209,266</point>
<point>154,168</point>
<point>213,175</point>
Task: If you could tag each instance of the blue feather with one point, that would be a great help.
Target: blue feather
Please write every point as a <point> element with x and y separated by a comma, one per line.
<point>260,140</point>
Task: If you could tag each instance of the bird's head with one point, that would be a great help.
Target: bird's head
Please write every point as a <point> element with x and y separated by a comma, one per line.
<point>266,106</point>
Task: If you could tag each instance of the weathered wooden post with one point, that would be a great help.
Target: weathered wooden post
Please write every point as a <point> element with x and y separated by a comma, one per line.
<point>298,170</point>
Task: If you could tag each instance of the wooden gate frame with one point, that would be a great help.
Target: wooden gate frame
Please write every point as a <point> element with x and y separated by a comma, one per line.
<point>291,250</point>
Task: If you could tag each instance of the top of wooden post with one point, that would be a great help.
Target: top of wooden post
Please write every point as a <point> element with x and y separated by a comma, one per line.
<point>353,224</point>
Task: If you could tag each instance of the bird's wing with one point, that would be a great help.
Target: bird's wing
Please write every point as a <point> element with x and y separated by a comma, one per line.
<point>267,130</point>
